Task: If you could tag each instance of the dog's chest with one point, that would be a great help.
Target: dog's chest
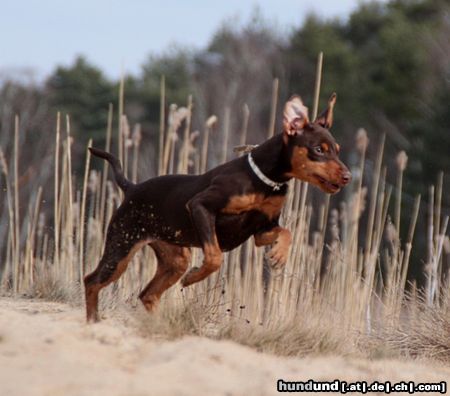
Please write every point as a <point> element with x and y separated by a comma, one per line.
<point>269,205</point>
<point>233,230</point>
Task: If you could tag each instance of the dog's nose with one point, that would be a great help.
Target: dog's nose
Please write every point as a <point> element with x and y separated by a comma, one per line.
<point>346,177</point>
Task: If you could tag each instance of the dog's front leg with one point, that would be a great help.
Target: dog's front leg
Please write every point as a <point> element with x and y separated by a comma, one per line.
<point>280,238</point>
<point>203,208</point>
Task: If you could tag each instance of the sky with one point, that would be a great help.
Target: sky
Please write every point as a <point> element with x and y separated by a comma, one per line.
<point>36,36</point>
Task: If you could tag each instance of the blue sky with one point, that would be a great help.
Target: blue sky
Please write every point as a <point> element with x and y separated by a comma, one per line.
<point>38,35</point>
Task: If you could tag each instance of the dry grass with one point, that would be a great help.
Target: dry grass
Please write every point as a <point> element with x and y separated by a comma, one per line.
<point>50,287</point>
<point>424,333</point>
<point>349,309</point>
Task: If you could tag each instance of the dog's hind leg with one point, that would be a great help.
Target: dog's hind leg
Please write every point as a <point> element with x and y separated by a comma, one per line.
<point>116,256</point>
<point>172,264</point>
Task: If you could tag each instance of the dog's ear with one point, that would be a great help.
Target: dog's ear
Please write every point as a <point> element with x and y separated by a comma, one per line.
<point>326,118</point>
<point>295,116</point>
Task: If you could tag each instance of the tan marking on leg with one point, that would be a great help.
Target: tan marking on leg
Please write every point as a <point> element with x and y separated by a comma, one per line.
<point>91,296</point>
<point>123,264</point>
<point>211,263</point>
<point>92,291</point>
<point>172,264</point>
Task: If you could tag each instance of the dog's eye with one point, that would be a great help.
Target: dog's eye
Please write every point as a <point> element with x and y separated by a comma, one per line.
<point>318,150</point>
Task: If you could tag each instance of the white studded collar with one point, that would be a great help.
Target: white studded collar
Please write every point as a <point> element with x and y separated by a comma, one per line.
<point>275,186</point>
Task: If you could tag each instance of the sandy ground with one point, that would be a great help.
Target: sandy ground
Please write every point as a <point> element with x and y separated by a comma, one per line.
<point>47,349</point>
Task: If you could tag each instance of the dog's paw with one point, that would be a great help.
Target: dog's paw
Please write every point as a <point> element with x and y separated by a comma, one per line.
<point>188,279</point>
<point>151,303</point>
<point>278,255</point>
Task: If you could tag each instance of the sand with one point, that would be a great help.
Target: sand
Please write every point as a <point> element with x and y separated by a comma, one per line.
<point>47,349</point>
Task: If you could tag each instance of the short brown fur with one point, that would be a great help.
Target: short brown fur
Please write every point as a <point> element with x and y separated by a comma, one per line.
<point>271,205</point>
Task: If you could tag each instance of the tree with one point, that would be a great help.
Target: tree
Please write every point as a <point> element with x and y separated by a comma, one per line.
<point>83,92</point>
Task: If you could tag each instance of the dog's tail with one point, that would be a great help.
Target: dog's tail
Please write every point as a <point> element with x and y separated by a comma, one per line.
<point>121,180</point>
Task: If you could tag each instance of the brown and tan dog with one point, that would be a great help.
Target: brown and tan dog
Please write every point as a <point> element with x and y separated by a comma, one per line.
<point>218,210</point>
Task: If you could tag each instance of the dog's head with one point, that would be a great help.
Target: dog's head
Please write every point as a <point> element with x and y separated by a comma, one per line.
<point>313,152</point>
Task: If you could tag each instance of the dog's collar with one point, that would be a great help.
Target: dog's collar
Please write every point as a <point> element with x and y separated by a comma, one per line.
<point>275,186</point>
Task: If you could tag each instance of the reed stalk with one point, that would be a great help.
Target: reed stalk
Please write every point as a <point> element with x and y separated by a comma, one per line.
<point>56,195</point>
<point>373,199</point>
<point>70,211</point>
<point>16,256</point>
<point>401,165</point>
<point>10,270</point>
<point>273,108</point>
<point>226,133</point>
<point>186,140</point>
<point>136,143</point>
<point>209,125</point>
<point>162,121</point>
<point>244,130</point>
<point>106,165</point>
<point>81,257</point>
<point>119,117</point>
<point>317,85</point>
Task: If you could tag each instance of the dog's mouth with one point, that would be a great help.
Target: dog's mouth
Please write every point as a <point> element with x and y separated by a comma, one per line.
<point>327,186</point>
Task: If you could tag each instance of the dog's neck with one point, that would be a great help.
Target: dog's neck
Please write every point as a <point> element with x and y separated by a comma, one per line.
<point>272,158</point>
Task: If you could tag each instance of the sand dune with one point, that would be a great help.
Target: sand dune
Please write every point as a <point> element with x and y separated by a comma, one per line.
<point>47,349</point>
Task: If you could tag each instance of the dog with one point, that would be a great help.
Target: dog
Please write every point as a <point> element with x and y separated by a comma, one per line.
<point>218,210</point>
